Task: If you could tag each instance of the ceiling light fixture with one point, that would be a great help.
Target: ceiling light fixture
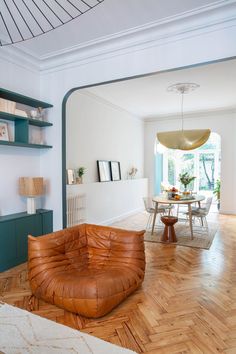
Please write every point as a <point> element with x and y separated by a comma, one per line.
<point>26,19</point>
<point>183,139</point>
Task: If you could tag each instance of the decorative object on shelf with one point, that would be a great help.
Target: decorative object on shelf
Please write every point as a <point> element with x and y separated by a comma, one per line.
<point>183,139</point>
<point>70,176</point>
<point>23,20</point>
<point>115,171</point>
<point>20,112</point>
<point>132,172</point>
<point>7,106</point>
<point>186,179</point>
<point>104,171</point>
<point>216,192</point>
<point>31,187</point>
<point>4,131</point>
<point>33,114</point>
<point>80,172</point>
<point>40,113</point>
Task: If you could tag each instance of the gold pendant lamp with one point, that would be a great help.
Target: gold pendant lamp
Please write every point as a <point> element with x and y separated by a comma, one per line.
<point>183,139</point>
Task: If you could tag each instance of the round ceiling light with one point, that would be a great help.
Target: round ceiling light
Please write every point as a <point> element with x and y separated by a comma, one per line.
<point>21,20</point>
<point>183,139</point>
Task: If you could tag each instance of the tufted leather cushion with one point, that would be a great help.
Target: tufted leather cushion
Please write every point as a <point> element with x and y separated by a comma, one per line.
<point>86,269</point>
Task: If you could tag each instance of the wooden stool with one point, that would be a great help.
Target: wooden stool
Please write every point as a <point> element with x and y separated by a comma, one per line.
<point>169,231</point>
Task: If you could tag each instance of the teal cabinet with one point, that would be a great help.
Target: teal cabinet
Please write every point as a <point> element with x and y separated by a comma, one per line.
<point>14,231</point>
<point>7,244</point>
<point>47,221</point>
<point>24,227</point>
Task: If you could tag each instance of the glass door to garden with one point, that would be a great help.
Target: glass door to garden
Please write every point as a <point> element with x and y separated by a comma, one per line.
<point>203,163</point>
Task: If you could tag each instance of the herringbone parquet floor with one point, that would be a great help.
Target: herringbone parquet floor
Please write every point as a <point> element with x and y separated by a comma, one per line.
<point>187,303</point>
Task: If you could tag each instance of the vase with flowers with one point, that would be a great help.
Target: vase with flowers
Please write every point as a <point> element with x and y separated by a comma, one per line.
<point>186,179</point>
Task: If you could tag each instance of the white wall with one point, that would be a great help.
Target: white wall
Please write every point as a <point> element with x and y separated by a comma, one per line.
<point>97,130</point>
<point>222,123</point>
<point>17,75</point>
<point>110,201</point>
<point>56,83</point>
<point>16,162</point>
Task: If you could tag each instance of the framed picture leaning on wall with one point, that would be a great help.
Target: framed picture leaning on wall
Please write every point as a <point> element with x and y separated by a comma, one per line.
<point>104,171</point>
<point>115,171</point>
<point>70,176</point>
<point>4,131</point>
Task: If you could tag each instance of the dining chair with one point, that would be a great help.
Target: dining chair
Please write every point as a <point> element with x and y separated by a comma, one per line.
<point>202,212</point>
<point>183,208</point>
<point>150,209</point>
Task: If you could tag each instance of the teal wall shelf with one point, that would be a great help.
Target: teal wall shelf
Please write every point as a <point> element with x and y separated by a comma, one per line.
<point>22,123</point>
<point>28,101</point>
<point>26,145</point>
<point>31,121</point>
<point>14,231</point>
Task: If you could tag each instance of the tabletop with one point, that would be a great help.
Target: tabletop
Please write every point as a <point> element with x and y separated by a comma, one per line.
<point>164,200</point>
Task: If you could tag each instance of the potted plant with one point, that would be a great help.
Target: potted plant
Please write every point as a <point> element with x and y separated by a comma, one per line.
<point>80,173</point>
<point>186,179</point>
<point>216,192</point>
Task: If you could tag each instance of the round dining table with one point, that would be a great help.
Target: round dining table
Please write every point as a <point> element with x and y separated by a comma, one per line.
<point>164,200</point>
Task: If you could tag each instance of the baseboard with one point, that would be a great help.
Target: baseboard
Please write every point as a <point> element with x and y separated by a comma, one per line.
<point>120,217</point>
<point>227,212</point>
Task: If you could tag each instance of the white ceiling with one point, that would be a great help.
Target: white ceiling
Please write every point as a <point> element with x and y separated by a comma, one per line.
<point>147,97</point>
<point>109,18</point>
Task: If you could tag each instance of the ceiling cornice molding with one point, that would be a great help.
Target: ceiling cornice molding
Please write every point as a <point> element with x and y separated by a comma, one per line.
<point>20,58</point>
<point>209,113</point>
<point>103,101</point>
<point>189,24</point>
<point>210,18</point>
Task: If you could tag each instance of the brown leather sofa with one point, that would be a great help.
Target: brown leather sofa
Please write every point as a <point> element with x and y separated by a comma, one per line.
<point>86,269</point>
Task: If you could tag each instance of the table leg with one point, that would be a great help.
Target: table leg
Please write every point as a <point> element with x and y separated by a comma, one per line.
<point>190,219</point>
<point>154,217</point>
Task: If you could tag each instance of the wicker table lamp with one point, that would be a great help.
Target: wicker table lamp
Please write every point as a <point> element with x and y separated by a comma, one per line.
<point>31,187</point>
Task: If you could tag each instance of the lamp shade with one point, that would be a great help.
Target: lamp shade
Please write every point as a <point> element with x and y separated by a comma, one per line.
<point>31,186</point>
<point>184,139</point>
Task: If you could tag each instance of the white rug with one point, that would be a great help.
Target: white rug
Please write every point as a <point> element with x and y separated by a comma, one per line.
<point>21,332</point>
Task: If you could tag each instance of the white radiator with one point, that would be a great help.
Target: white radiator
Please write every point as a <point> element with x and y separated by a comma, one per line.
<point>76,209</point>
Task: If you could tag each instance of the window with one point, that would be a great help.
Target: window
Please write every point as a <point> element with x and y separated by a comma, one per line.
<point>204,163</point>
